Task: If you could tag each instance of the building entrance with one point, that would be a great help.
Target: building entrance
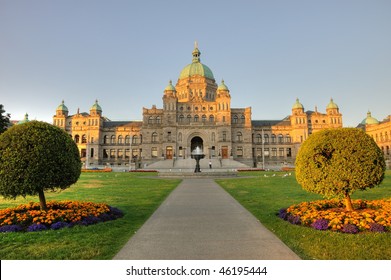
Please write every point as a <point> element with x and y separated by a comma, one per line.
<point>224,151</point>
<point>169,152</point>
<point>196,142</point>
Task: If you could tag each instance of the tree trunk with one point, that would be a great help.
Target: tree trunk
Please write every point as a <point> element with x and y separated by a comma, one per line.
<point>348,203</point>
<point>42,201</point>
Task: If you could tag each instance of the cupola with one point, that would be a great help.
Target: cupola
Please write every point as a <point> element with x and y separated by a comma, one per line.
<point>369,119</point>
<point>96,109</point>
<point>222,86</point>
<point>297,105</point>
<point>62,110</point>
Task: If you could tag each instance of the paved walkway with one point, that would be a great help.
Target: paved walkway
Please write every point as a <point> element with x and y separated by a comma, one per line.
<point>201,221</point>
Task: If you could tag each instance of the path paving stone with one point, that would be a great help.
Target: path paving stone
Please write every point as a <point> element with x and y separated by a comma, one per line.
<point>201,221</point>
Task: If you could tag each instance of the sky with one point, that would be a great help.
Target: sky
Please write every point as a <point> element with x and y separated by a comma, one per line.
<point>123,53</point>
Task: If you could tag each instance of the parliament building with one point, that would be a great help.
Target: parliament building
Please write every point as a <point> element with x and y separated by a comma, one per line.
<point>196,112</point>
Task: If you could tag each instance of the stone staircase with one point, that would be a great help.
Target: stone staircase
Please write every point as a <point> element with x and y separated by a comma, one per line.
<point>188,164</point>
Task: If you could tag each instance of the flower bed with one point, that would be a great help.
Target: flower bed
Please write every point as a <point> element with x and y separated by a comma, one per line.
<point>250,169</point>
<point>97,170</point>
<point>142,170</point>
<point>29,217</point>
<point>369,215</point>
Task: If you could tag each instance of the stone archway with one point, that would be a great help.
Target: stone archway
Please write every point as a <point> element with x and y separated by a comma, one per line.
<point>196,142</point>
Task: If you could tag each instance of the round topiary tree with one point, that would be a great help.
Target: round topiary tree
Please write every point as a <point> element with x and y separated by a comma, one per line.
<point>336,162</point>
<point>36,157</point>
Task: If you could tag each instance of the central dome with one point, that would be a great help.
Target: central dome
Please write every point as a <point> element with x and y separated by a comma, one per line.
<point>196,67</point>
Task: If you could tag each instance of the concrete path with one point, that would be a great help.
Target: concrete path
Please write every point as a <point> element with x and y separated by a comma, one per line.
<point>201,221</point>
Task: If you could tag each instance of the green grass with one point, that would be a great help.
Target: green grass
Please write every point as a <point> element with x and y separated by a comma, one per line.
<point>137,195</point>
<point>264,196</point>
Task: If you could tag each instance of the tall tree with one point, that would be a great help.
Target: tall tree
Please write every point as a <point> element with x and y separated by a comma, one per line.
<point>4,119</point>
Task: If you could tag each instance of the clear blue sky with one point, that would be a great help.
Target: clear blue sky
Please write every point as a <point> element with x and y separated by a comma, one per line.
<point>123,53</point>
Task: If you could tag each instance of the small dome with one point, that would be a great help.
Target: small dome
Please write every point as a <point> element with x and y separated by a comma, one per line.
<point>62,107</point>
<point>222,86</point>
<point>196,68</point>
<point>332,105</point>
<point>96,107</point>
<point>26,119</point>
<point>369,119</point>
<point>297,105</point>
<point>170,87</point>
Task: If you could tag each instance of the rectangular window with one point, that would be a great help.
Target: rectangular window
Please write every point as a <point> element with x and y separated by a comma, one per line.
<point>154,152</point>
<point>120,153</point>
<point>112,153</point>
<point>127,153</point>
<point>289,152</point>
<point>274,152</point>
<point>105,154</point>
<point>281,152</point>
<point>239,151</point>
<point>135,153</point>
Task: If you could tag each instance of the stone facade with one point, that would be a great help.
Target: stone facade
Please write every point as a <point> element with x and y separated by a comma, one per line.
<point>196,112</point>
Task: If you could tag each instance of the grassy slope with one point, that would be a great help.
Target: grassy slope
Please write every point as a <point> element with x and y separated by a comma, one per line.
<point>264,196</point>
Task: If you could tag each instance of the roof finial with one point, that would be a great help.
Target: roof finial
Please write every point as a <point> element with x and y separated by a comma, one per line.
<point>195,44</point>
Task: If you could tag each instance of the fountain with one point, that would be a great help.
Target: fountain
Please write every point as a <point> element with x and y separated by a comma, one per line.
<point>197,154</point>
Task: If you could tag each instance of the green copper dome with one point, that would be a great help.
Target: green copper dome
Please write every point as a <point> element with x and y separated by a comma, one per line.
<point>297,105</point>
<point>170,87</point>
<point>369,119</point>
<point>62,107</point>
<point>96,107</point>
<point>196,67</point>
<point>222,86</point>
<point>332,105</point>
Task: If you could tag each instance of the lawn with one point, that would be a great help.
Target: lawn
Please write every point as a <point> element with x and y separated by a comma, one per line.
<point>264,196</point>
<point>137,195</point>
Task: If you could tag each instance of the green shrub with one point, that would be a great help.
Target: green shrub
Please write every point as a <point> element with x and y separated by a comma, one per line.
<point>35,157</point>
<point>337,162</point>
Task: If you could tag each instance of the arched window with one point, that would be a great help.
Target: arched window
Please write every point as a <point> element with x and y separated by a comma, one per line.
<point>243,119</point>
<point>158,120</point>
<point>154,137</point>
<point>196,118</point>
<point>105,139</point>
<point>266,137</point>
<point>84,139</point>
<point>258,138</point>
<point>127,139</point>
<point>150,120</point>
<point>211,118</point>
<point>288,138</point>
<point>135,139</point>
<point>77,138</point>
<point>280,138</point>
<point>120,138</point>
<point>189,118</point>
<point>112,139</point>
<point>239,136</point>
<point>273,138</point>
<point>181,118</point>
<point>203,118</point>
<point>235,119</point>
